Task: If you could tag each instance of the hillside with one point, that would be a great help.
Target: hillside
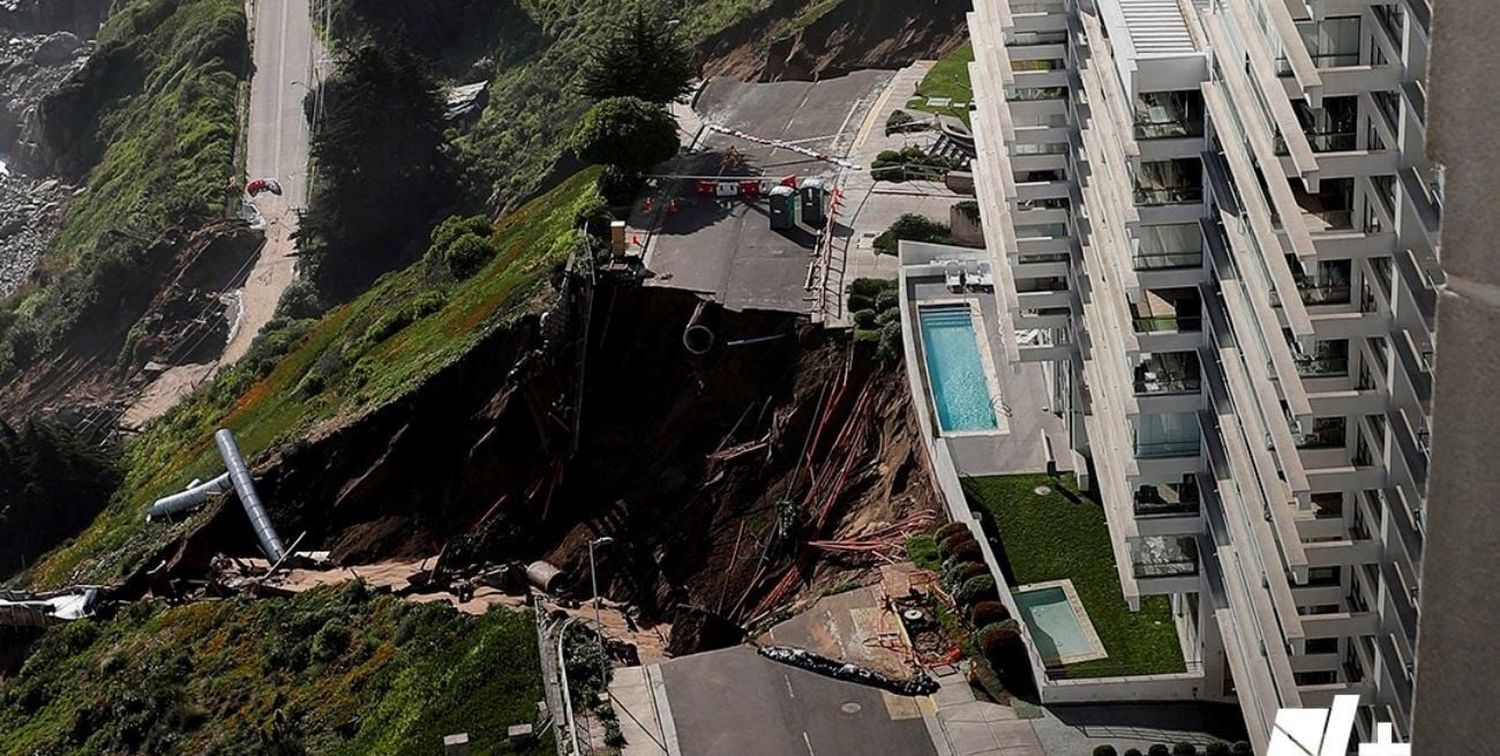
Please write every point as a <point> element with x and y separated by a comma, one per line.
<point>336,671</point>
<point>149,128</point>
<point>301,375</point>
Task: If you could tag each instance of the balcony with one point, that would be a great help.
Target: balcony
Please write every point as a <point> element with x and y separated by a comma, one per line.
<point>1178,181</point>
<point>1168,246</point>
<point>1167,311</point>
<point>1165,558</point>
<point>1166,435</point>
<point>1331,209</point>
<point>1167,374</point>
<point>1167,499</point>
<point>1329,359</point>
<point>1169,115</point>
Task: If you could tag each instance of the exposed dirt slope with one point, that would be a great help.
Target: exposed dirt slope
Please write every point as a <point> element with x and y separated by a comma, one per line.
<point>792,39</point>
<point>478,461</point>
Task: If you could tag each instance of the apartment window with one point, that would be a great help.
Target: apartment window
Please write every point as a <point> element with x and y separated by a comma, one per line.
<point>1167,310</point>
<point>1321,646</point>
<point>1160,556</point>
<point>1023,39</point>
<point>1176,245</point>
<point>1324,677</point>
<point>1025,94</point>
<point>1167,498</point>
<point>1327,433</point>
<point>1332,208</point>
<point>1328,358</point>
<point>1332,42</point>
<point>1038,148</point>
<point>1331,128</point>
<point>1169,182</point>
<point>1324,576</point>
<point>1328,505</point>
<point>1329,285</point>
<point>1167,115</point>
<point>1167,373</point>
<point>1038,64</point>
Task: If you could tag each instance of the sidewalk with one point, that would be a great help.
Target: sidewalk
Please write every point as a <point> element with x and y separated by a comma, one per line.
<point>966,727</point>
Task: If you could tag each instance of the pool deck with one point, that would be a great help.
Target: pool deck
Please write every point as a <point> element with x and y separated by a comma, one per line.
<point>1085,624</point>
<point>986,363</point>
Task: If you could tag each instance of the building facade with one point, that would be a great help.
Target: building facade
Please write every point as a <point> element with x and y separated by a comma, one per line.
<point>1220,228</point>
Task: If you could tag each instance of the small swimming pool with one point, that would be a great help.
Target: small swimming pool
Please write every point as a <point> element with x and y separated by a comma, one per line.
<point>955,370</point>
<point>1059,626</point>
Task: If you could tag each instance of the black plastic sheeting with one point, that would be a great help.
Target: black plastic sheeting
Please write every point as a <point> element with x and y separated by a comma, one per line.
<point>921,685</point>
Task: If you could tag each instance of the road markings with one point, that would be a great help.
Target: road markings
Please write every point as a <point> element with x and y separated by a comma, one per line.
<point>789,690</point>
<point>808,741</point>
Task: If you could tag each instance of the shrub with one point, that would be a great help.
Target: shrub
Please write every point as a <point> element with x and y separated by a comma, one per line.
<point>1158,750</point>
<point>860,302</point>
<point>966,551</point>
<point>890,342</point>
<point>1184,749</point>
<point>1216,748</point>
<point>889,317</point>
<point>887,300</point>
<point>950,530</point>
<point>998,640</point>
<point>1133,752</point>
<point>984,675</point>
<point>987,612</point>
<point>864,318</point>
<point>299,300</point>
<point>898,121</point>
<point>947,546</point>
<point>627,133</point>
<point>1242,748</point>
<point>923,552</point>
<point>1105,750</point>
<point>467,254</point>
<point>871,287</point>
<point>977,589</point>
<point>963,572</point>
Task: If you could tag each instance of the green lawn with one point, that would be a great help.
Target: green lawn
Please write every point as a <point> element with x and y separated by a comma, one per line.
<point>333,671</point>
<point>1063,535</point>
<point>949,78</point>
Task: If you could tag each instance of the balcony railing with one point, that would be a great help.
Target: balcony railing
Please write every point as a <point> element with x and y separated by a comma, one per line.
<point>1169,129</point>
<point>1166,260</point>
<point>1317,367</point>
<point>1324,294</point>
<point>1321,60</point>
<point>1171,448</point>
<point>1157,507</point>
<point>1162,382</point>
<point>1168,195</point>
<point>1320,141</point>
<point>1167,323</point>
<point>1025,39</point>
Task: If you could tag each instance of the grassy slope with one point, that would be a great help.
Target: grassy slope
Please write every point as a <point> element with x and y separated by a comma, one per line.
<point>358,374</point>
<point>949,77</point>
<point>246,676</point>
<point>533,105</point>
<point>157,113</point>
<point>1054,537</point>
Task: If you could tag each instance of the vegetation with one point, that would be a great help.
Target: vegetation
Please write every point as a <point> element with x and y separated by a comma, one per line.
<point>882,324</point>
<point>381,170</point>
<point>300,374</point>
<point>52,483</point>
<point>949,78</point>
<point>988,612</point>
<point>149,124</point>
<point>923,552</point>
<point>336,670</point>
<point>627,134</point>
<point>1063,534</point>
<point>909,162</point>
<point>644,59</point>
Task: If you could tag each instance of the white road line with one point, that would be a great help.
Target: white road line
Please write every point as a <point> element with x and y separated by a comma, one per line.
<point>808,741</point>
<point>281,85</point>
<point>789,690</point>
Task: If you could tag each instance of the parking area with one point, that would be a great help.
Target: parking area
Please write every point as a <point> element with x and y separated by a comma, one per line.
<point>724,247</point>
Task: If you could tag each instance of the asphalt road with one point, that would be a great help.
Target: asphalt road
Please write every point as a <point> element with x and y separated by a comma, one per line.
<point>735,702</point>
<point>285,50</point>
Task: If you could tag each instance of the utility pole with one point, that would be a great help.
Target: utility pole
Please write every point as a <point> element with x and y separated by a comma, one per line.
<point>599,625</point>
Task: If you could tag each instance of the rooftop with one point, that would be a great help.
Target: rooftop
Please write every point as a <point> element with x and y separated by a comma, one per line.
<point>1154,27</point>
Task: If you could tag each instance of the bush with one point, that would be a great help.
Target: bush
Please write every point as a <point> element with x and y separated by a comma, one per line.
<point>977,589</point>
<point>1243,748</point>
<point>626,133</point>
<point>988,612</point>
<point>998,640</point>
<point>1216,748</point>
<point>966,551</point>
<point>1158,750</point>
<point>984,675</point>
<point>950,530</point>
<point>864,318</point>
<point>886,301</point>
<point>923,552</point>
<point>1184,749</point>
<point>1105,750</point>
<point>467,254</point>
<point>871,287</point>
<point>889,317</point>
<point>299,300</point>
<point>947,546</point>
<point>898,121</point>
<point>1133,752</point>
<point>890,342</point>
<point>965,571</point>
<point>858,302</point>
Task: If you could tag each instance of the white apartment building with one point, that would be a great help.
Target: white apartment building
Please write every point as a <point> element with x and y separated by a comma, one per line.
<point>1220,231</point>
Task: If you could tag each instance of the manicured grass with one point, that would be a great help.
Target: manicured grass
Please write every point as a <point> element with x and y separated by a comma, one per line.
<point>335,670</point>
<point>949,78</point>
<point>1063,534</point>
<point>269,402</point>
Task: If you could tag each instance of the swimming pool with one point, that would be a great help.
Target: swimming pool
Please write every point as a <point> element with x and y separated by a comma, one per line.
<point>955,370</point>
<point>1060,628</point>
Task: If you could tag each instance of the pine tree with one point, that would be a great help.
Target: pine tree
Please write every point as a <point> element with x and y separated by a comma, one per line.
<point>643,59</point>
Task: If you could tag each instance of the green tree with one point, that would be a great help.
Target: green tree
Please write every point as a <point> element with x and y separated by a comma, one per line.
<point>52,484</point>
<point>627,134</point>
<point>644,59</point>
<point>381,169</point>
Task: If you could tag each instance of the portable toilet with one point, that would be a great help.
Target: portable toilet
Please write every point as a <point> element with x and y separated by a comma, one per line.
<point>814,202</point>
<point>783,201</point>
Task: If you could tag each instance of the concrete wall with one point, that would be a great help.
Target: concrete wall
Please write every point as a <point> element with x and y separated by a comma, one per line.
<point>1458,671</point>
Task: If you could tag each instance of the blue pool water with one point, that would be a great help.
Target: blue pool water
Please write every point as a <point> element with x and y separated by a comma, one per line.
<point>1053,624</point>
<point>955,370</point>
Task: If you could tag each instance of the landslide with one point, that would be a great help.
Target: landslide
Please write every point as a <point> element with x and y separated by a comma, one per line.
<point>792,39</point>
<point>478,461</point>
<point>147,126</point>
